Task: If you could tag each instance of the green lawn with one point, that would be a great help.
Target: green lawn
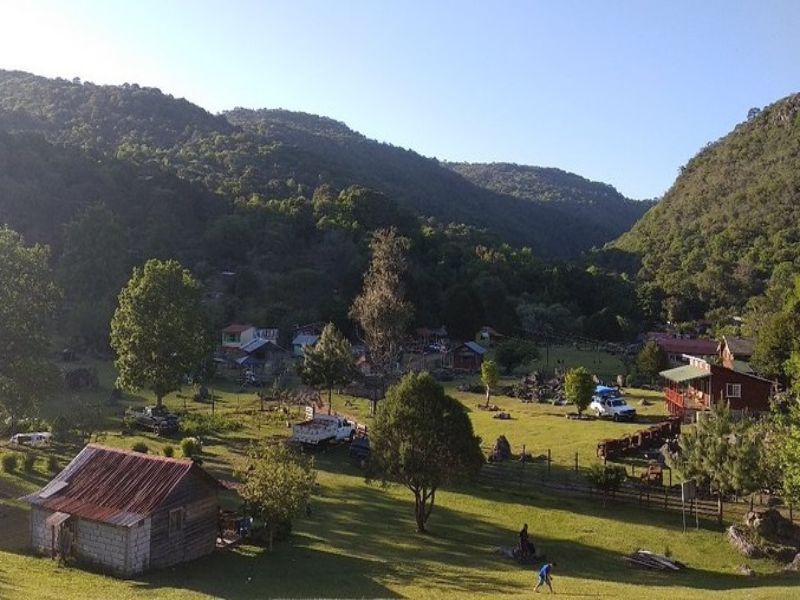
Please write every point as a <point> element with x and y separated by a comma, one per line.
<point>360,539</point>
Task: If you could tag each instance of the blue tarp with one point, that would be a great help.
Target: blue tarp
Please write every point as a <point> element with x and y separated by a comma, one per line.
<point>604,390</point>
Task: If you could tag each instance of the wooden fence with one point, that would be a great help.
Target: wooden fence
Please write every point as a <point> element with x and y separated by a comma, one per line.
<point>541,474</point>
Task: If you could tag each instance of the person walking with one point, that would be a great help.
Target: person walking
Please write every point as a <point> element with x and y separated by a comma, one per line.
<point>545,577</point>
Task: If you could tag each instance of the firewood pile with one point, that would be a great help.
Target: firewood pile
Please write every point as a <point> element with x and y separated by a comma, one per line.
<point>647,560</point>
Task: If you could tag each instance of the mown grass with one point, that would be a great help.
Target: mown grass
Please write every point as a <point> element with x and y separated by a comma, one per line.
<point>360,540</point>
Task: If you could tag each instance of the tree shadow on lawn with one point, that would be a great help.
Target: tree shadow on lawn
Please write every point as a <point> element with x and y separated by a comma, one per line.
<point>463,542</point>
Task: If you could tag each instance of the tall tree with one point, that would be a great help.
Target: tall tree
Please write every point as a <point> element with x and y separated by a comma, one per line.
<point>381,309</point>
<point>723,454</point>
<point>423,439</point>
<point>159,331</point>
<point>92,269</point>
<point>28,300</point>
<point>651,360</point>
<point>578,387</point>
<point>277,484</point>
<point>489,377</point>
<point>329,362</point>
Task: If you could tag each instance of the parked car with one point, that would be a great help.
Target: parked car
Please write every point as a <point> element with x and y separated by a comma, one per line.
<point>608,402</point>
<point>323,429</point>
<point>38,439</point>
<point>154,418</point>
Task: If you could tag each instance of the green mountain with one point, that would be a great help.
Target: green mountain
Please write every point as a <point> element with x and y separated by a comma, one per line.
<point>575,196</point>
<point>731,217</point>
<point>275,153</point>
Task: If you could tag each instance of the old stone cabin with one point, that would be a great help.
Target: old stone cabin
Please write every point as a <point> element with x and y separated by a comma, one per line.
<point>127,512</point>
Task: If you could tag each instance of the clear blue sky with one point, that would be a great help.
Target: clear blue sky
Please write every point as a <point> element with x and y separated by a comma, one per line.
<point>617,91</point>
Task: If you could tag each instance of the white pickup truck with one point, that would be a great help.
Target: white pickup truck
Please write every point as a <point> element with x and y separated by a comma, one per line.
<point>323,429</point>
<point>607,402</point>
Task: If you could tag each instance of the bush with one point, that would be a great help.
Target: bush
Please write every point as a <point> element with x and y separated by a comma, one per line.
<point>60,429</point>
<point>9,461</point>
<point>52,464</point>
<point>28,461</point>
<point>606,478</point>
<point>198,424</point>
<point>140,447</point>
<point>190,447</point>
<point>169,451</point>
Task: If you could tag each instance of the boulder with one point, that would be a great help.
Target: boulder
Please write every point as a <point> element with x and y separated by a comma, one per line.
<point>745,570</point>
<point>794,566</point>
<point>738,539</point>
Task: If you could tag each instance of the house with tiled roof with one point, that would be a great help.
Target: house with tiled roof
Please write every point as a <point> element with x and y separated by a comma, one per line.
<point>126,512</point>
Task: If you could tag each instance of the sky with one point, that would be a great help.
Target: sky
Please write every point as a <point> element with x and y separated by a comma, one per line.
<point>618,91</point>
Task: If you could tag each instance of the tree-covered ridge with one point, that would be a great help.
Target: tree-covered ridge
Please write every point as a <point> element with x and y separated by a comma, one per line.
<point>730,218</point>
<point>276,154</point>
<point>595,202</point>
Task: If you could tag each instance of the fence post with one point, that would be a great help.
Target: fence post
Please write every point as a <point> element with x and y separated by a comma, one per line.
<point>576,462</point>
<point>549,460</point>
<point>522,469</point>
<point>666,496</point>
<point>719,509</point>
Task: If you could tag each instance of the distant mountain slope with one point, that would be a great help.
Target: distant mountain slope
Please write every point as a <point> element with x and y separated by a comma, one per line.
<point>597,202</point>
<point>731,216</point>
<point>276,153</point>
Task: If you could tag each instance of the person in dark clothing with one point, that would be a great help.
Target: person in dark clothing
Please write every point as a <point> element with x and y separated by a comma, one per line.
<point>526,548</point>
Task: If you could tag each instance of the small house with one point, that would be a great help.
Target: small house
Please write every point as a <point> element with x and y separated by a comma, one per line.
<point>236,335</point>
<point>127,512</point>
<point>696,386</point>
<point>301,341</point>
<point>677,348</point>
<point>261,354</point>
<point>468,357</point>
<point>735,353</point>
<point>489,336</point>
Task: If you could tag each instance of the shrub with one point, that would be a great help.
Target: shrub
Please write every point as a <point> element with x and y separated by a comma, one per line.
<point>52,464</point>
<point>198,424</point>
<point>190,447</point>
<point>169,451</point>
<point>606,478</point>
<point>28,461</point>
<point>60,429</point>
<point>140,447</point>
<point>9,461</point>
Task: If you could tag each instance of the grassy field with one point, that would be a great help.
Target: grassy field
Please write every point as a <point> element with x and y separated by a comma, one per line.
<point>360,539</point>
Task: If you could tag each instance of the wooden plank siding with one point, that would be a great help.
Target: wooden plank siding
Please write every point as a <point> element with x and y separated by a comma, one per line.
<point>198,536</point>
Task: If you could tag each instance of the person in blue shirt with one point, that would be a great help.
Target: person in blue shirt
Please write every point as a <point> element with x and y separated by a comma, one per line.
<point>545,577</point>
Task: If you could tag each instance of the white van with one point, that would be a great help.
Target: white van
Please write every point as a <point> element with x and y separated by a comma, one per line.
<point>38,439</point>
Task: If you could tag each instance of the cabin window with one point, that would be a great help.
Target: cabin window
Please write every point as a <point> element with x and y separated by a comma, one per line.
<point>733,390</point>
<point>175,520</point>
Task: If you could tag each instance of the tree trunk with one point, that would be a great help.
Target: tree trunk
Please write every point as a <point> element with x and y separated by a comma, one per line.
<point>488,395</point>
<point>159,400</point>
<point>271,536</point>
<point>419,511</point>
<point>330,399</point>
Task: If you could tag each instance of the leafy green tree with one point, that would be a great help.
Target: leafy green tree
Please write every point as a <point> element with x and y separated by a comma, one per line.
<point>651,360</point>
<point>28,300</point>
<point>578,388</point>
<point>722,453</point>
<point>463,312</point>
<point>514,352</point>
<point>329,362</point>
<point>277,484</point>
<point>159,331</point>
<point>489,377</point>
<point>381,309</point>
<point>423,439</point>
<point>92,269</point>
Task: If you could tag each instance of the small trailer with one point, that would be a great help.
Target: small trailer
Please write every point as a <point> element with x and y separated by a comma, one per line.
<point>322,430</point>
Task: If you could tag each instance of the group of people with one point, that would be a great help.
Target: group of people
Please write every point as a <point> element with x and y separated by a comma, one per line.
<point>526,550</point>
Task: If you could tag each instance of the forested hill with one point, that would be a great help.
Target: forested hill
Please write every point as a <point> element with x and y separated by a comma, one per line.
<point>731,217</point>
<point>596,202</point>
<point>279,154</point>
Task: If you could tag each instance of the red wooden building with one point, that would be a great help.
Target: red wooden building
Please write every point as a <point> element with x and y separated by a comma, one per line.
<point>696,386</point>
<point>468,357</point>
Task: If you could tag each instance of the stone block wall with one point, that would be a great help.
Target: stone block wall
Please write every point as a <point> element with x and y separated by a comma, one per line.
<point>101,544</point>
<point>138,547</point>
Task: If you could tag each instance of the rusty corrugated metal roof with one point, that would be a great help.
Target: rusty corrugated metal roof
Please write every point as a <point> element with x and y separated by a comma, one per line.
<point>112,485</point>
